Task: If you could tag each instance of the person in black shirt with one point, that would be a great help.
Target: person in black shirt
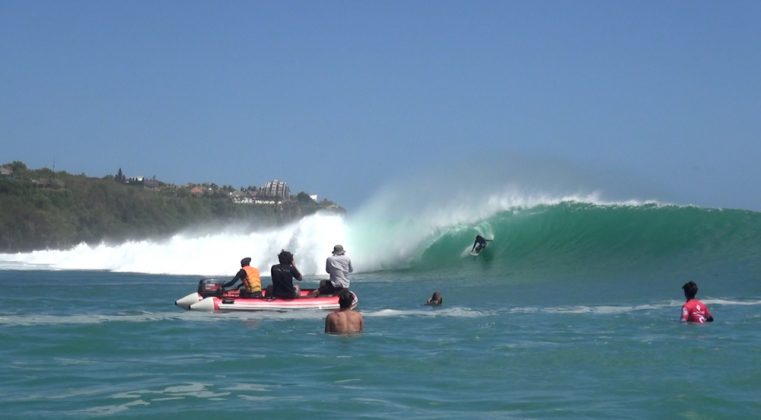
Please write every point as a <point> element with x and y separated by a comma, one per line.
<point>283,275</point>
<point>479,244</point>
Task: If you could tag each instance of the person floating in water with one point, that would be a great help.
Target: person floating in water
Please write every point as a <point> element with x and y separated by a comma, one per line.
<point>345,320</point>
<point>694,310</point>
<point>479,244</point>
<point>435,300</point>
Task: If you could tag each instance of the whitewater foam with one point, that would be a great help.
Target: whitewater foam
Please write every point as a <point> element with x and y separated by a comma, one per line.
<point>153,317</point>
<point>389,232</point>
<point>454,312</point>
<point>310,239</point>
<point>620,309</point>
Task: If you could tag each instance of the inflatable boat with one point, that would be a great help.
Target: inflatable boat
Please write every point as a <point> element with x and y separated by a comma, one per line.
<point>211,297</point>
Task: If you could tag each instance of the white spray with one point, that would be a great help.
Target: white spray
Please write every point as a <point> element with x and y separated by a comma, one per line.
<point>393,228</point>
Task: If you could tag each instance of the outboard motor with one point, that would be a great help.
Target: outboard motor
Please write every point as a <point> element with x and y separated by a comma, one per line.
<point>210,287</point>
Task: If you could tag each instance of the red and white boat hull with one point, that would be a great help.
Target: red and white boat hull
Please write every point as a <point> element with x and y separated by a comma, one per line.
<point>230,302</point>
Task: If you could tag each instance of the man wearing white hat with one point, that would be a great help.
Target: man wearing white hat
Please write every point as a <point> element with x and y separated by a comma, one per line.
<point>338,266</point>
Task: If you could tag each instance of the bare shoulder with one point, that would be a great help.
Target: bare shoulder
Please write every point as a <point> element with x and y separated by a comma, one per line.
<point>344,322</point>
<point>354,314</point>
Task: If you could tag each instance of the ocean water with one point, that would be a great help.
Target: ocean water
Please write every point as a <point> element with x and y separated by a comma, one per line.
<point>571,312</point>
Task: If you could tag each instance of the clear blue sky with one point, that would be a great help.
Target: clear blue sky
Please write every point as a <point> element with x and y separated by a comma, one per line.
<point>336,97</point>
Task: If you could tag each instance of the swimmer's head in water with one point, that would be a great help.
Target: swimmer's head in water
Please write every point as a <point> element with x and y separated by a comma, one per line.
<point>436,299</point>
<point>346,299</point>
<point>690,290</point>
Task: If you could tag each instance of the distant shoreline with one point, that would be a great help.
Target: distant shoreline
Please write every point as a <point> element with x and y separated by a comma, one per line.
<point>43,209</point>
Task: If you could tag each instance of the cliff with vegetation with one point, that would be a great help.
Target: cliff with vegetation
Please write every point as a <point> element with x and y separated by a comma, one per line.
<point>43,209</point>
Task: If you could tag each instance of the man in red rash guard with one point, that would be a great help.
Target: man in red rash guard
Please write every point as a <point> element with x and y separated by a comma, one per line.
<point>694,310</point>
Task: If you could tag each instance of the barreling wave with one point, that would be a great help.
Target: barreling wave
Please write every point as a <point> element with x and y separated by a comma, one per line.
<point>582,236</point>
<point>537,235</point>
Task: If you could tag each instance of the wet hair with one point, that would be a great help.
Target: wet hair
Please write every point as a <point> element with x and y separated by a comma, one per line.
<point>345,299</point>
<point>285,257</point>
<point>436,299</point>
<point>244,262</point>
<point>690,289</point>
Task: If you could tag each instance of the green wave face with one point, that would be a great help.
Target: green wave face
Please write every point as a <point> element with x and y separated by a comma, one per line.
<point>578,239</point>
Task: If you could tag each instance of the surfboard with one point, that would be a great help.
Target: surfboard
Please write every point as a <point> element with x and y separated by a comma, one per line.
<point>475,253</point>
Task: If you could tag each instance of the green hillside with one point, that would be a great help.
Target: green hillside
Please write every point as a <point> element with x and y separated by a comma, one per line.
<point>43,209</point>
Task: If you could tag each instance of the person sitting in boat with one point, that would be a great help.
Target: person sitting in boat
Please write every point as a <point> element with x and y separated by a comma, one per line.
<point>251,283</point>
<point>435,300</point>
<point>283,275</point>
<point>338,266</point>
<point>479,244</point>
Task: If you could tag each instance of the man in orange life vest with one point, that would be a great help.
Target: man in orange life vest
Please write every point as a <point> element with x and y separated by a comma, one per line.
<point>249,277</point>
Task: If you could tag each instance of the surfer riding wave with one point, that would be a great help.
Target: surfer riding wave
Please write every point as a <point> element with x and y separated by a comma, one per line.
<point>479,244</point>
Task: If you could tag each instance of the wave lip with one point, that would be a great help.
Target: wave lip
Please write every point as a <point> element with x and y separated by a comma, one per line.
<point>580,238</point>
<point>530,232</point>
